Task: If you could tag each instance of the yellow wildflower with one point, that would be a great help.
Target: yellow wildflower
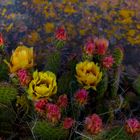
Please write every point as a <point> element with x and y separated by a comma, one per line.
<point>88,74</point>
<point>126,13</point>
<point>22,58</point>
<point>43,85</point>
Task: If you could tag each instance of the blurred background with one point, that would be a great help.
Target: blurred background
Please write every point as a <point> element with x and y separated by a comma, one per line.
<point>33,22</point>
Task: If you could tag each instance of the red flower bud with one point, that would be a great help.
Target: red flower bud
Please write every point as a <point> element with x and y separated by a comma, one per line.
<point>89,47</point>
<point>81,96</point>
<point>132,126</point>
<point>101,46</point>
<point>68,123</point>
<point>62,101</point>
<point>23,77</point>
<point>53,113</point>
<point>40,105</point>
<point>93,124</point>
<point>1,40</point>
<point>108,62</point>
<point>61,34</point>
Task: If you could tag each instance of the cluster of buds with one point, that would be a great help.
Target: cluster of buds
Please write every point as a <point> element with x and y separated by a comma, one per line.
<point>98,46</point>
<point>93,124</point>
<point>132,126</point>
<point>81,96</point>
<point>24,77</point>
<point>49,110</point>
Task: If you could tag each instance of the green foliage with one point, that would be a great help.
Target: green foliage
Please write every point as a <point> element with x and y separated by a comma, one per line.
<point>53,61</point>
<point>7,118</point>
<point>64,82</point>
<point>103,85</point>
<point>87,57</point>
<point>118,56</point>
<point>136,85</point>
<point>6,113</point>
<point>7,93</point>
<point>5,128</point>
<point>46,131</point>
<point>23,105</point>
<point>116,133</point>
<point>67,78</point>
<point>3,71</point>
<point>59,44</point>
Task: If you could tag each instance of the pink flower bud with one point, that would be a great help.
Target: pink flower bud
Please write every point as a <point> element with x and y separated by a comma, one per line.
<point>132,126</point>
<point>40,105</point>
<point>1,40</point>
<point>108,62</point>
<point>89,47</point>
<point>23,77</point>
<point>101,46</point>
<point>61,34</point>
<point>93,124</point>
<point>81,96</point>
<point>53,113</point>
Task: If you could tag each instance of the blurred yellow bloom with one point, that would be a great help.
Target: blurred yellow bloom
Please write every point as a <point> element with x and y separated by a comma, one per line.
<point>3,11</point>
<point>43,85</point>
<point>88,74</point>
<point>126,16</point>
<point>49,27</point>
<point>38,1</point>
<point>33,38</point>
<point>131,32</point>
<point>22,58</point>
<point>126,13</point>
<point>138,26</point>
<point>69,9</point>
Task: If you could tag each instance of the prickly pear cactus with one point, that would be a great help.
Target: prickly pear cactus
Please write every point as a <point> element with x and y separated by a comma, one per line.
<point>101,89</point>
<point>7,93</point>
<point>118,56</point>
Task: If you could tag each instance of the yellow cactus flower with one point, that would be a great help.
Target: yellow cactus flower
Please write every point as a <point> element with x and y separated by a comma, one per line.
<point>43,85</point>
<point>22,58</point>
<point>88,74</point>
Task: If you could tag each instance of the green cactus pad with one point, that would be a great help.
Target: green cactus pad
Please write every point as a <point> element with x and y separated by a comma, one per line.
<point>46,131</point>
